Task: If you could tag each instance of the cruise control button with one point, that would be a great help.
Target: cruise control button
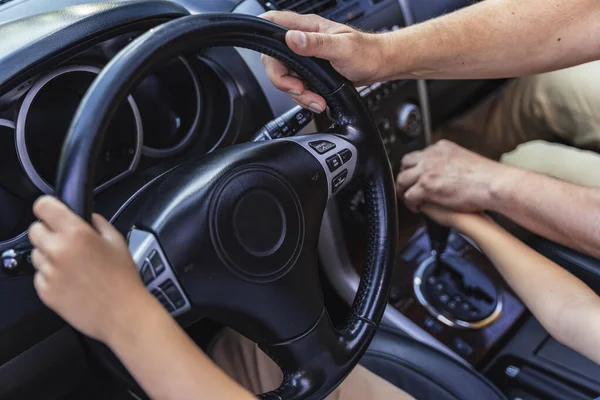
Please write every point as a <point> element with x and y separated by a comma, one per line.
<point>339,180</point>
<point>157,263</point>
<point>334,162</point>
<point>322,146</point>
<point>146,273</point>
<point>173,293</point>
<point>346,155</point>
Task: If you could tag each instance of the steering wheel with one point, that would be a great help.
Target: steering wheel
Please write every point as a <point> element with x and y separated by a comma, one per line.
<point>233,235</point>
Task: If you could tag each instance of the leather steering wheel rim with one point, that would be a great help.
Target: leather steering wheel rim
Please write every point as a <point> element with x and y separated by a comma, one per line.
<point>353,123</point>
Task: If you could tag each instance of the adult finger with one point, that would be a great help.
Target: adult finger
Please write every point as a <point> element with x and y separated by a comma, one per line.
<point>332,47</point>
<point>407,178</point>
<point>414,198</point>
<point>411,159</point>
<point>281,76</point>
<point>312,101</point>
<point>292,20</point>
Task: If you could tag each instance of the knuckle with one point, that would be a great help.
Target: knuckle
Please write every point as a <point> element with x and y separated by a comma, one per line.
<point>319,41</point>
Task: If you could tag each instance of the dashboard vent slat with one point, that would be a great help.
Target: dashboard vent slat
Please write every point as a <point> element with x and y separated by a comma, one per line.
<point>304,6</point>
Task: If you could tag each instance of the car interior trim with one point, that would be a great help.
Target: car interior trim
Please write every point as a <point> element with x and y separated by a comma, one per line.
<point>152,152</point>
<point>345,280</point>
<point>10,124</point>
<point>22,152</point>
<point>444,317</point>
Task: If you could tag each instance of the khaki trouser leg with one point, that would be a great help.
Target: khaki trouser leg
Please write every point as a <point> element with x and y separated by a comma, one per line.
<point>569,164</point>
<point>563,104</point>
<point>253,369</point>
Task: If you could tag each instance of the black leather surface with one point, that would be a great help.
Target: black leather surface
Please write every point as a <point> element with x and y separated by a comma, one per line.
<point>26,44</point>
<point>316,362</point>
<point>423,372</point>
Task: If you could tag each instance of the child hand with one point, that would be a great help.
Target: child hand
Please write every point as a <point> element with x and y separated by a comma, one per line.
<point>86,276</point>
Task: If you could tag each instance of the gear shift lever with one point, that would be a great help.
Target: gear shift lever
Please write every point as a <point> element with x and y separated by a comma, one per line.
<point>438,236</point>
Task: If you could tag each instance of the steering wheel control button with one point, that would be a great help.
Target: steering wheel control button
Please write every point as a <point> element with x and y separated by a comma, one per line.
<point>345,158</point>
<point>157,263</point>
<point>173,293</point>
<point>322,146</point>
<point>339,180</point>
<point>163,300</point>
<point>156,273</point>
<point>334,162</point>
<point>146,273</point>
<point>346,155</point>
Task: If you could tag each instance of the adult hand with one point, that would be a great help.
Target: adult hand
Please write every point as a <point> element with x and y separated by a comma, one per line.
<point>358,56</point>
<point>85,275</point>
<point>450,176</point>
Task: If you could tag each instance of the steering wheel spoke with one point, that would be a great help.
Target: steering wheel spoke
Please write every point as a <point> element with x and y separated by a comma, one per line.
<point>315,356</point>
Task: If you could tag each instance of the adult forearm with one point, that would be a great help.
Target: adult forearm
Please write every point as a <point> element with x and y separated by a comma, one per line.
<point>560,211</point>
<point>495,39</point>
<point>560,301</point>
<point>165,361</point>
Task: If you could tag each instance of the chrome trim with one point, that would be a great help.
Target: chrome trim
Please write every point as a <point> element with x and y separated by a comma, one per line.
<point>343,277</point>
<point>7,123</point>
<point>10,242</point>
<point>152,152</point>
<point>443,316</point>
<point>36,178</point>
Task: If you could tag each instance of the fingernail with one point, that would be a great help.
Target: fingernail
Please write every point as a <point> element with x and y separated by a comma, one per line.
<point>298,37</point>
<point>315,107</point>
<point>294,92</point>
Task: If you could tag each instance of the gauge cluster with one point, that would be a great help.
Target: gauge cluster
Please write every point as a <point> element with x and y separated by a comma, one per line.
<point>189,106</point>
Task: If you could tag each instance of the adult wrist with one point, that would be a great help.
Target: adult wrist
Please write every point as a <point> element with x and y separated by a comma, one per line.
<point>501,188</point>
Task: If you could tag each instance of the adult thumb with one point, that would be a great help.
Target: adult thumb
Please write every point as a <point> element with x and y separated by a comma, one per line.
<point>312,44</point>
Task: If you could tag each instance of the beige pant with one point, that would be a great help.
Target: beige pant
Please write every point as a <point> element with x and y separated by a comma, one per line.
<point>253,369</point>
<point>528,113</point>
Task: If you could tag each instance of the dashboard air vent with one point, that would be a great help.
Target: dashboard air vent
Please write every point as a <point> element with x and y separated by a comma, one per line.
<point>303,6</point>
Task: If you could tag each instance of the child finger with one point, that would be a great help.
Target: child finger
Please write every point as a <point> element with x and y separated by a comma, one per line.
<point>40,235</point>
